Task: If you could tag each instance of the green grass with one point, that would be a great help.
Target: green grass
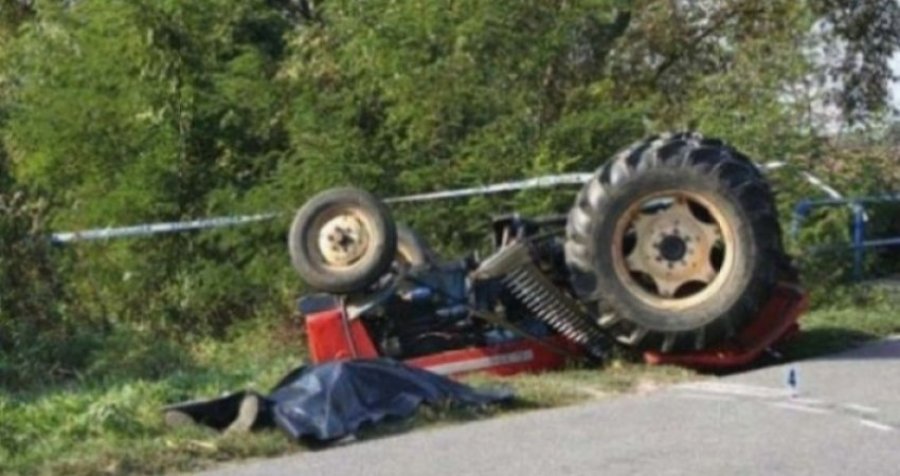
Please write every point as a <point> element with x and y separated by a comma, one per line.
<point>107,420</point>
<point>832,330</point>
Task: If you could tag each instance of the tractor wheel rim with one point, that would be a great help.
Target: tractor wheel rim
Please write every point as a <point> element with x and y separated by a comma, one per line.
<point>673,249</point>
<point>343,236</point>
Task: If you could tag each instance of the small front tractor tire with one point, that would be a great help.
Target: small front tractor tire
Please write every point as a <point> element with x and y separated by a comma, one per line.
<point>343,240</point>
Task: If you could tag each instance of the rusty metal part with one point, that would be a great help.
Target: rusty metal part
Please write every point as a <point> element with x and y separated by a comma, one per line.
<point>505,323</point>
<point>405,255</point>
<point>673,247</point>
<point>542,298</point>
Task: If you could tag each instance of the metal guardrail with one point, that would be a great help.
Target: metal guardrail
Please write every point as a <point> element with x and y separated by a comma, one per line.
<point>860,243</point>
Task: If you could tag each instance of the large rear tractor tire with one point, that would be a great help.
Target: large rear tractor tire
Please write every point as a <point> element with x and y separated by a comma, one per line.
<point>343,240</point>
<point>677,241</point>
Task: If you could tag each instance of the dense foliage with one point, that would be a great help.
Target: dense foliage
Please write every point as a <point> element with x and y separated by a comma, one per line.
<point>118,112</point>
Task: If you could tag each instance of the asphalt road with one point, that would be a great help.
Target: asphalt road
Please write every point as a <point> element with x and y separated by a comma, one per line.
<point>845,419</point>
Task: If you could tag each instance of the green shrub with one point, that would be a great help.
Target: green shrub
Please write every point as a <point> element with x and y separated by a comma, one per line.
<point>823,242</point>
<point>31,324</point>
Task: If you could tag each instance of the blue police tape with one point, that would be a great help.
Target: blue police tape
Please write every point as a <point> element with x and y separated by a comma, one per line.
<point>547,181</point>
<point>157,228</point>
<point>222,222</point>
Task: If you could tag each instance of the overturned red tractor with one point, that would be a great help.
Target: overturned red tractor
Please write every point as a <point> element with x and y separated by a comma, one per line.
<point>673,248</point>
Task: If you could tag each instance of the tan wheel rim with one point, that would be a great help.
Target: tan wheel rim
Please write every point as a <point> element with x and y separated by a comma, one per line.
<point>343,236</point>
<point>673,250</point>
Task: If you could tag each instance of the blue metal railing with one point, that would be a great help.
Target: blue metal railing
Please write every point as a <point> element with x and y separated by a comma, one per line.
<point>859,243</point>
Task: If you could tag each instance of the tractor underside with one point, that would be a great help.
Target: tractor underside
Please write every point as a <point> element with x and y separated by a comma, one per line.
<point>503,316</point>
<point>672,252</point>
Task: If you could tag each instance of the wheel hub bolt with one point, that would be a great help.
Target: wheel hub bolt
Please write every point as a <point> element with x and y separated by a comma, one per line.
<point>673,248</point>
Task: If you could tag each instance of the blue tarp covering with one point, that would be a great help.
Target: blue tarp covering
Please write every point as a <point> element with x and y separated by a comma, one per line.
<point>333,400</point>
<point>336,399</point>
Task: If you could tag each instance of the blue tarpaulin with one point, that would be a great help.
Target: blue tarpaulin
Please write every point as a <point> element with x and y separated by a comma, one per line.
<point>333,400</point>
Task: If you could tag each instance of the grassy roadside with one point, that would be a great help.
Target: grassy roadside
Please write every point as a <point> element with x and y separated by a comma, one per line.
<point>111,425</point>
<point>832,330</point>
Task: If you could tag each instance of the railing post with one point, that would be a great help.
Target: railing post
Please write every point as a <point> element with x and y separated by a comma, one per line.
<point>801,211</point>
<point>859,237</point>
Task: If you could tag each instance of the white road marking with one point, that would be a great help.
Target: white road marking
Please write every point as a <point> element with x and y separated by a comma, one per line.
<point>808,401</point>
<point>876,425</point>
<point>780,398</point>
<point>855,407</point>
<point>799,408</point>
<point>736,389</point>
<point>705,396</point>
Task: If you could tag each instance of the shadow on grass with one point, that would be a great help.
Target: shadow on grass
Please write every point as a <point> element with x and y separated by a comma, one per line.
<point>114,359</point>
<point>822,341</point>
<point>885,349</point>
<point>819,342</point>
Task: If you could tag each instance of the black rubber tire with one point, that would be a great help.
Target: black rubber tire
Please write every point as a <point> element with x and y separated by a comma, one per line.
<point>412,248</point>
<point>375,263</point>
<point>690,163</point>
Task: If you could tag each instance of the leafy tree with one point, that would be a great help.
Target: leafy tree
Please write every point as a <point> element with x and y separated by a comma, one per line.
<point>862,37</point>
<point>839,47</point>
<point>120,112</point>
<point>721,67</point>
<point>145,111</point>
<point>422,95</point>
<point>12,14</point>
